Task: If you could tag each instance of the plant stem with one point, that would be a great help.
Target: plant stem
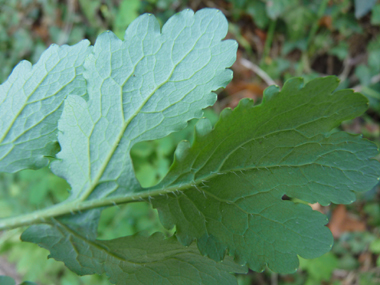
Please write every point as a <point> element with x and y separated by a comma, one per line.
<point>77,206</point>
<point>261,73</point>
<point>35,217</point>
<point>313,31</point>
<point>42,216</point>
<point>315,26</point>
<point>269,39</point>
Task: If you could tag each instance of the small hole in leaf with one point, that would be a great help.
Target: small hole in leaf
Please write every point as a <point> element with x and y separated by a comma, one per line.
<point>284,197</point>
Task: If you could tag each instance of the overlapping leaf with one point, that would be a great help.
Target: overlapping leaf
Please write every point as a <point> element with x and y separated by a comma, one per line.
<point>225,190</point>
<point>31,102</point>
<point>142,88</point>
<point>229,184</point>
<point>134,259</point>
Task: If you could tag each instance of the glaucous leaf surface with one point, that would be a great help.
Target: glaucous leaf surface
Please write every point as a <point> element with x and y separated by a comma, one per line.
<point>362,7</point>
<point>31,102</point>
<point>142,88</point>
<point>229,184</point>
<point>133,259</point>
<point>225,190</point>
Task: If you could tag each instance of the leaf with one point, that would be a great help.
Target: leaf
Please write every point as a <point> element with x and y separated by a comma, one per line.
<point>320,269</point>
<point>375,17</point>
<point>6,280</point>
<point>275,8</point>
<point>128,10</point>
<point>142,88</point>
<point>374,247</point>
<point>364,74</point>
<point>226,189</point>
<point>341,222</point>
<point>133,259</point>
<point>228,185</point>
<point>362,7</point>
<point>256,9</point>
<point>340,50</point>
<point>31,104</point>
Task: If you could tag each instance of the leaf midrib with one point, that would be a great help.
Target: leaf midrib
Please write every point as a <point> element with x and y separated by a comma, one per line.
<point>162,190</point>
<point>42,216</point>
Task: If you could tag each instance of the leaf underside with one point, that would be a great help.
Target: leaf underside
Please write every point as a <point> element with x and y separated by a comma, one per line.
<point>31,102</point>
<point>225,190</point>
<point>142,88</point>
<point>133,259</point>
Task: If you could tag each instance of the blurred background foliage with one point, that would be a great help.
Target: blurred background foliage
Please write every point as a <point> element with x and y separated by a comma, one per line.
<point>278,39</point>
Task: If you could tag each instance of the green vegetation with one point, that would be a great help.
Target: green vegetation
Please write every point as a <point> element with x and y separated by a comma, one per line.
<point>207,188</point>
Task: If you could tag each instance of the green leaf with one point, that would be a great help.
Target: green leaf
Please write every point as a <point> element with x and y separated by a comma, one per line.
<point>226,189</point>
<point>375,17</point>
<point>321,268</point>
<point>256,9</point>
<point>31,102</point>
<point>340,51</point>
<point>275,8</point>
<point>142,88</point>
<point>364,74</point>
<point>375,246</point>
<point>6,280</point>
<point>128,11</point>
<point>90,10</point>
<point>133,259</point>
<point>229,183</point>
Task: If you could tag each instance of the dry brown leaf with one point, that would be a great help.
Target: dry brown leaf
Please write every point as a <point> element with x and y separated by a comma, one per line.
<point>341,221</point>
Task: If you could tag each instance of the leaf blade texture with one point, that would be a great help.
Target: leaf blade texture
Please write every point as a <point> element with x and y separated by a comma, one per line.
<point>142,88</point>
<point>230,182</point>
<point>133,259</point>
<point>31,102</point>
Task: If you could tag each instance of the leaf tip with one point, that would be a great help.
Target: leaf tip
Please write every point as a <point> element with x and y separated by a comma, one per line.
<point>270,93</point>
<point>225,113</point>
<point>203,127</point>
<point>246,102</point>
<point>293,84</point>
<point>182,150</point>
